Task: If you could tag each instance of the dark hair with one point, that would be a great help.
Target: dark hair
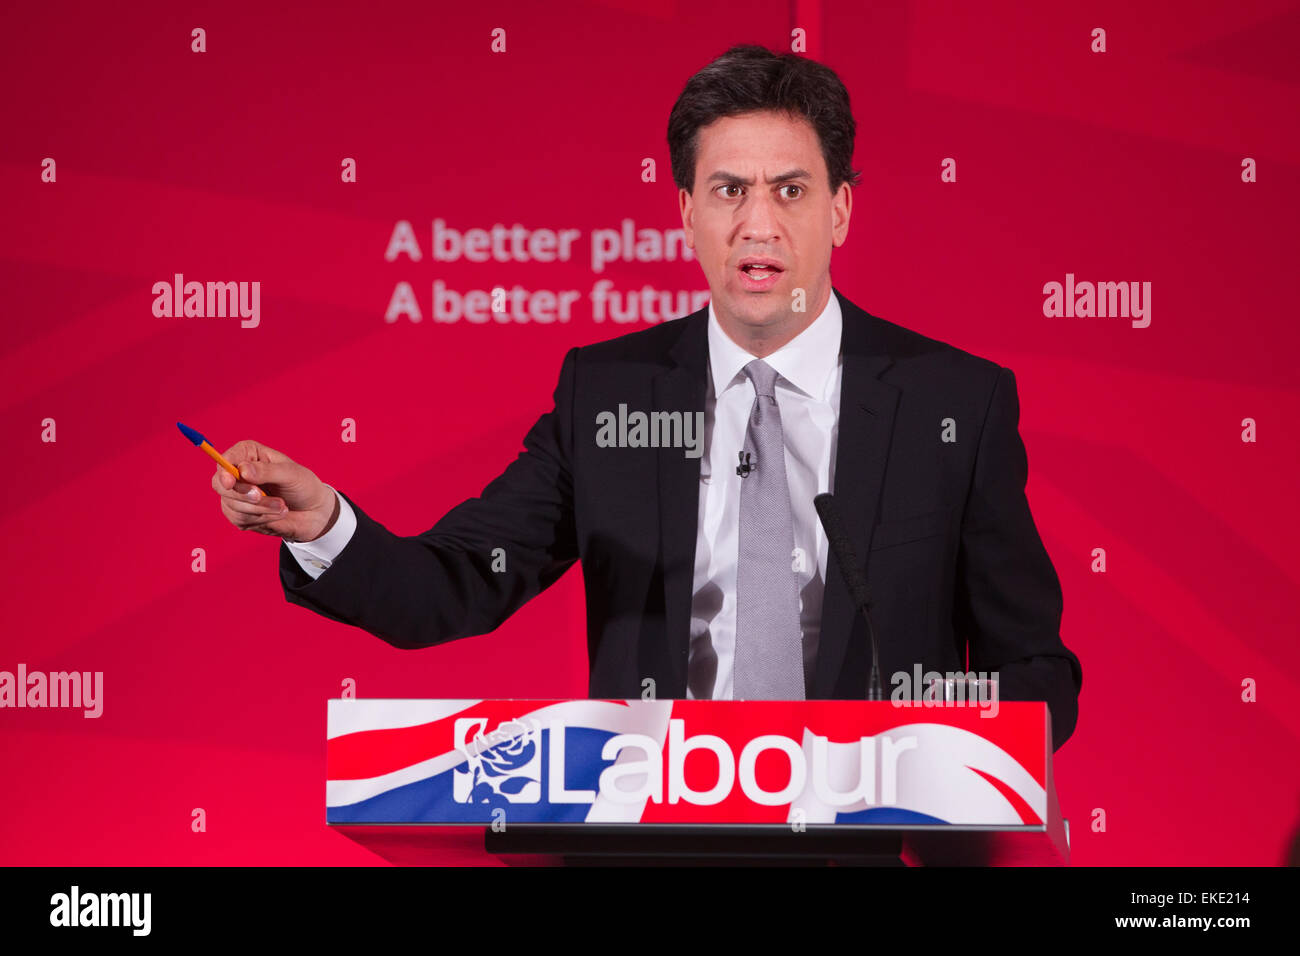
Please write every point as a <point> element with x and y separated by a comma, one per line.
<point>748,78</point>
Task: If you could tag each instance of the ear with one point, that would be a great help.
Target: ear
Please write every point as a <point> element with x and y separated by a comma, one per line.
<point>841,208</point>
<point>687,205</point>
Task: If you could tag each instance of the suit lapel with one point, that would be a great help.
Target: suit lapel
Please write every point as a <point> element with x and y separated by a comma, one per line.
<point>682,387</point>
<point>866,426</point>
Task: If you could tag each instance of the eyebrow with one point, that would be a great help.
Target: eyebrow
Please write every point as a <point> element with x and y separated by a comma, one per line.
<point>723,176</point>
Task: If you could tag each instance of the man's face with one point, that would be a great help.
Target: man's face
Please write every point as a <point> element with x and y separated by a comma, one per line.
<point>762,192</point>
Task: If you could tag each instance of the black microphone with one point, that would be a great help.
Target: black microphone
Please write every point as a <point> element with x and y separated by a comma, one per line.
<point>854,576</point>
<point>746,464</point>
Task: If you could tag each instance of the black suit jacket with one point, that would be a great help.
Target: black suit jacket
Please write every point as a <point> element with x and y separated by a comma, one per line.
<point>953,558</point>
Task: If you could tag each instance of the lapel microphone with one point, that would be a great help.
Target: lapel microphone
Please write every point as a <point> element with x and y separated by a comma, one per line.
<point>746,464</point>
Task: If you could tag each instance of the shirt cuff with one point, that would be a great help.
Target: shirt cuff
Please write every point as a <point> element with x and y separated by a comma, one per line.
<point>316,556</point>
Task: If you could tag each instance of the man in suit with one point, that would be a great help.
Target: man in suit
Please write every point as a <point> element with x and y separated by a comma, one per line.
<point>707,572</point>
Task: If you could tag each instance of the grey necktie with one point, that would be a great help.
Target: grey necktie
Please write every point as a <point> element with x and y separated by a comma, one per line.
<point>769,641</point>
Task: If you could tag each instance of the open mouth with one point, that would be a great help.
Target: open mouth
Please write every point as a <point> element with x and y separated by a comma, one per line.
<point>759,276</point>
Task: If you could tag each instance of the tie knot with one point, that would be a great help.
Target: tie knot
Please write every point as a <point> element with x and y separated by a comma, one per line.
<point>763,376</point>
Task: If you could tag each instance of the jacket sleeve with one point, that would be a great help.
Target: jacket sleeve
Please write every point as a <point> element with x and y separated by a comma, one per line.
<point>471,570</point>
<point>1008,597</point>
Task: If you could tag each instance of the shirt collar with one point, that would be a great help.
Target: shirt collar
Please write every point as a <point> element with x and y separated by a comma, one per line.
<point>807,361</point>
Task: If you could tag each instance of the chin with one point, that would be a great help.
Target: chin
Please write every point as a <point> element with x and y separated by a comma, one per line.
<point>760,310</point>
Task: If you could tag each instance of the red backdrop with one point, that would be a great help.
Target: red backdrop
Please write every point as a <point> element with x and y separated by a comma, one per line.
<point>225,166</point>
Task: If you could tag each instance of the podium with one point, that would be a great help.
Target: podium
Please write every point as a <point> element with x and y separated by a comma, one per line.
<point>695,781</point>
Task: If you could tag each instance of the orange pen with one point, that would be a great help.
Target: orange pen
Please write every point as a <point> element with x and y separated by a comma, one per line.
<point>216,456</point>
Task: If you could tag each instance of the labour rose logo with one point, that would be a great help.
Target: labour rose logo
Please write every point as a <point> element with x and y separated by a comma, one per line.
<point>502,766</point>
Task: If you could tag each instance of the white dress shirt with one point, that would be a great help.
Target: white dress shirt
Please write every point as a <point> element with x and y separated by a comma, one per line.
<point>808,393</point>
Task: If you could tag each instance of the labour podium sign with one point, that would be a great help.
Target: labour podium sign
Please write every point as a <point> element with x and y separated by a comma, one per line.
<point>816,763</point>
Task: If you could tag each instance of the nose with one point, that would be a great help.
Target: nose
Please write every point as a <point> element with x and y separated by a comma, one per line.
<point>759,217</point>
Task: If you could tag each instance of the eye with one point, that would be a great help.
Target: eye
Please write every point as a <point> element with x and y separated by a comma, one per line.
<point>726,186</point>
<point>793,186</point>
